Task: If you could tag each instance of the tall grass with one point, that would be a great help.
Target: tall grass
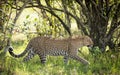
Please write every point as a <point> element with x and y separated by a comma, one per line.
<point>101,64</point>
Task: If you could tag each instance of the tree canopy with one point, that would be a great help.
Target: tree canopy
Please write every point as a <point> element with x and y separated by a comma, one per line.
<point>99,19</point>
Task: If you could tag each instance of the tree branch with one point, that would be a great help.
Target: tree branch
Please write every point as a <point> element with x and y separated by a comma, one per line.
<point>64,25</point>
<point>114,23</point>
<point>15,20</point>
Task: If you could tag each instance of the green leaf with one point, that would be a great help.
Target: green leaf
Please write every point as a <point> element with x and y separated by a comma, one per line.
<point>27,16</point>
<point>35,19</point>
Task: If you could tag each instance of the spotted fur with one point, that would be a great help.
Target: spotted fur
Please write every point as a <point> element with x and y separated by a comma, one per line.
<point>43,46</point>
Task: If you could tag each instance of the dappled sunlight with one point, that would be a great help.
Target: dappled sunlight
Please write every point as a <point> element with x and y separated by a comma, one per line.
<point>19,37</point>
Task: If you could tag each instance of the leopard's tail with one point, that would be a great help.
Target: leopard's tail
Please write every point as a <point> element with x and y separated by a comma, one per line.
<point>10,49</point>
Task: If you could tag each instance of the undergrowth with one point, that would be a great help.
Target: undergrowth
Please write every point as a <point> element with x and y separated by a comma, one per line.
<point>107,63</point>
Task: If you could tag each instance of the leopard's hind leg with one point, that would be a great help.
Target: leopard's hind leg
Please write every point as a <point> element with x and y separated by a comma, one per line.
<point>30,55</point>
<point>42,56</point>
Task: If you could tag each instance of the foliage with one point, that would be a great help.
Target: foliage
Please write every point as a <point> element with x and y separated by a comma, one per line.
<point>39,27</point>
<point>98,19</point>
<point>101,64</point>
<point>4,18</point>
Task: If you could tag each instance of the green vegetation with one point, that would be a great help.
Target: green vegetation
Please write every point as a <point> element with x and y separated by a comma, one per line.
<point>25,19</point>
<point>107,63</point>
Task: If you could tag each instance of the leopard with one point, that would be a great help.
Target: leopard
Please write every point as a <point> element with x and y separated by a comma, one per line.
<point>44,46</point>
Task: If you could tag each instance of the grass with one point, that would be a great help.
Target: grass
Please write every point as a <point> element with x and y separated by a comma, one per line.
<point>101,64</point>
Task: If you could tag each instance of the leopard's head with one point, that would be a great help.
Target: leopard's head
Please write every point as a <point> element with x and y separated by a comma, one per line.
<point>87,41</point>
<point>84,41</point>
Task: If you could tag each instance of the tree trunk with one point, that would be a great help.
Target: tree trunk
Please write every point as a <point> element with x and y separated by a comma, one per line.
<point>98,14</point>
<point>1,25</point>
